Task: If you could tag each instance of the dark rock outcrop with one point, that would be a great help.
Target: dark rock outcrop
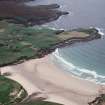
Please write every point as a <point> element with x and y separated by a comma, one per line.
<point>100,100</point>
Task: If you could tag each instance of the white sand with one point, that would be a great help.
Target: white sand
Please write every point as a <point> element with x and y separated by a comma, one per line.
<point>42,75</point>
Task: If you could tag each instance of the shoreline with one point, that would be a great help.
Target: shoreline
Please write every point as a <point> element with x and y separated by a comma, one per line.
<point>41,75</point>
<point>78,72</point>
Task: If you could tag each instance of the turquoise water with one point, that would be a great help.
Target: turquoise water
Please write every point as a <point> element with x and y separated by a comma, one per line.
<point>86,60</point>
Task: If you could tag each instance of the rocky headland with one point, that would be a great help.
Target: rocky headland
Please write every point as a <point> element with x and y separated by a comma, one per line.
<point>17,12</point>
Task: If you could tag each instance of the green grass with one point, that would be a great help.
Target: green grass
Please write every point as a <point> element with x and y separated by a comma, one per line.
<point>7,87</point>
<point>18,42</point>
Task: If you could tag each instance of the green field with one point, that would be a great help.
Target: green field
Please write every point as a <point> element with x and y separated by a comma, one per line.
<point>10,91</point>
<point>18,42</point>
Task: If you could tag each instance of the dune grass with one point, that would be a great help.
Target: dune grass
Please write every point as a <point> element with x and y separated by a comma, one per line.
<point>9,91</point>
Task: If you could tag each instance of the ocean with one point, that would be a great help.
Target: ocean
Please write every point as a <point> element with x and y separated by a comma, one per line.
<point>85,60</point>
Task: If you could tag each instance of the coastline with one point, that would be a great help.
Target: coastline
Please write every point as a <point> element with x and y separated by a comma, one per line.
<point>41,75</point>
<point>82,73</point>
<point>96,34</point>
<point>72,37</point>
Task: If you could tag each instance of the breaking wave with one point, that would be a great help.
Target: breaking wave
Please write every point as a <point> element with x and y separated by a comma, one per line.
<point>100,31</point>
<point>77,71</point>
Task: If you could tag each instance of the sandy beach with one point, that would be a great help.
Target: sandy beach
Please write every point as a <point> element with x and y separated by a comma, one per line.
<point>41,75</point>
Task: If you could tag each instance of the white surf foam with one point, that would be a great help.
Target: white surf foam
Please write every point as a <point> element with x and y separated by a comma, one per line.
<point>53,28</point>
<point>100,31</point>
<point>81,72</point>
